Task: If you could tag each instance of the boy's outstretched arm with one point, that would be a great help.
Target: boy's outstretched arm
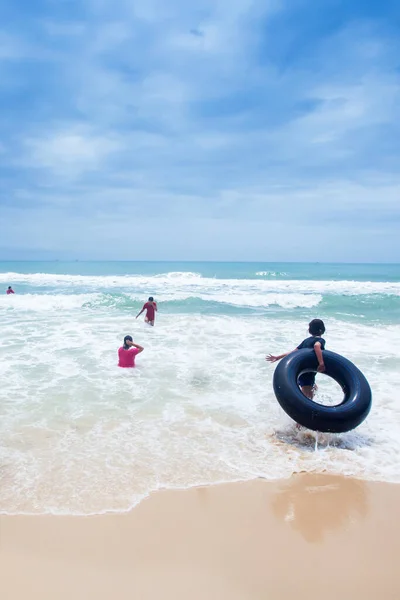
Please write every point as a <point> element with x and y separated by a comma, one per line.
<point>143,309</point>
<point>320,358</point>
<point>271,358</point>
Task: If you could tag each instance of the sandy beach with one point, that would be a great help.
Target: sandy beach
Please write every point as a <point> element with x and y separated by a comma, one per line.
<point>313,536</point>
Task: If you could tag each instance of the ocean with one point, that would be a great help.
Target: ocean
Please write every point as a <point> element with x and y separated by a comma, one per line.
<point>78,435</point>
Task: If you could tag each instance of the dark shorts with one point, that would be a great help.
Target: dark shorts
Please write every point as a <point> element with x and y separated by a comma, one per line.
<point>306,379</point>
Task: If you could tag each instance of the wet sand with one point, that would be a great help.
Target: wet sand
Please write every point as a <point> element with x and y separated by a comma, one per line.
<point>308,537</point>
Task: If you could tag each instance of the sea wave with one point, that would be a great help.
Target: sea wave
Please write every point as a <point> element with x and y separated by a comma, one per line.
<point>78,435</point>
<point>179,275</point>
<point>194,283</point>
<point>271,273</point>
<point>48,302</point>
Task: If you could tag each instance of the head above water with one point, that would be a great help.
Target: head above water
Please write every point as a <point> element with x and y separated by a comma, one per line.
<point>316,327</point>
<point>151,299</point>
<point>9,287</point>
<point>127,338</point>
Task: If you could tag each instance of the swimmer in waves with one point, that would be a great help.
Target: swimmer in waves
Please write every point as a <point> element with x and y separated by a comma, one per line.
<point>127,353</point>
<point>151,308</point>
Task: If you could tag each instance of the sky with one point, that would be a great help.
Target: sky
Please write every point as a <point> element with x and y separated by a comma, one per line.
<point>264,130</point>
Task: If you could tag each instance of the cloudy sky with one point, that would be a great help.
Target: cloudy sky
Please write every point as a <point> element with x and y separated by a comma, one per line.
<point>201,129</point>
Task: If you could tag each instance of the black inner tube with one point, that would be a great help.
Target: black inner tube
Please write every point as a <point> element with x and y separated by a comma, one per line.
<point>342,417</point>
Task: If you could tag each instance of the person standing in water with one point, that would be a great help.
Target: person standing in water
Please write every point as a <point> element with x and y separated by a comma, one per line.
<point>151,308</point>
<point>9,290</point>
<point>127,353</point>
<point>306,382</point>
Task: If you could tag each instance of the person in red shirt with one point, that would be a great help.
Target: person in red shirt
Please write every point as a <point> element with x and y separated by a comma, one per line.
<point>127,353</point>
<point>10,290</point>
<point>151,308</point>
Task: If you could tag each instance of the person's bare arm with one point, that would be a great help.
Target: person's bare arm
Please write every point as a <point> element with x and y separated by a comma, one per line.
<point>320,358</point>
<point>137,346</point>
<point>143,309</point>
<point>155,306</point>
<point>271,358</point>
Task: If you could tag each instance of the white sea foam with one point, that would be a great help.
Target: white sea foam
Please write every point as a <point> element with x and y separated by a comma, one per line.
<point>78,435</point>
<point>284,300</point>
<point>47,302</point>
<point>195,284</point>
<point>179,276</point>
<point>270,273</point>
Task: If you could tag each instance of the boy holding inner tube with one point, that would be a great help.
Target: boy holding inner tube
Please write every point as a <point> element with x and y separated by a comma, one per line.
<point>306,381</point>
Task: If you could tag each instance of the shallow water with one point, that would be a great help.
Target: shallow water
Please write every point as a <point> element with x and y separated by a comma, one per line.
<point>79,435</point>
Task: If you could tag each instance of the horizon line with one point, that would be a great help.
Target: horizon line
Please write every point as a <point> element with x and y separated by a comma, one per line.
<point>282,262</point>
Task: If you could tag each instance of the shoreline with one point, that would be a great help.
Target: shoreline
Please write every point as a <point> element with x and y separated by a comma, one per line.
<point>115,512</point>
<point>333,535</point>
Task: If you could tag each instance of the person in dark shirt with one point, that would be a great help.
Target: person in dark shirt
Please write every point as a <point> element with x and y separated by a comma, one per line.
<point>9,290</point>
<point>306,381</point>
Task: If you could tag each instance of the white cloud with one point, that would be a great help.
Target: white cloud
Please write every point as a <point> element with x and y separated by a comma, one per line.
<point>176,110</point>
<point>70,152</point>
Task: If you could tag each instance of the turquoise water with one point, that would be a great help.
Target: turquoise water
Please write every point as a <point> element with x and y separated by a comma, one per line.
<point>79,435</point>
<point>350,292</point>
<point>223,270</point>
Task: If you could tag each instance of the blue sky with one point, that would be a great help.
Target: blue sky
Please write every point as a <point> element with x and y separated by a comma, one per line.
<point>209,130</point>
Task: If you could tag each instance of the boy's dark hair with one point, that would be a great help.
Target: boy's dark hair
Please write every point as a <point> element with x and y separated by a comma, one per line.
<point>316,327</point>
<point>126,338</point>
<point>151,299</point>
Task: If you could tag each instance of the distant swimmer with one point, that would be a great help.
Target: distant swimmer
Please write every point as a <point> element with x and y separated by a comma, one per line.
<point>127,353</point>
<point>151,308</point>
<point>10,290</point>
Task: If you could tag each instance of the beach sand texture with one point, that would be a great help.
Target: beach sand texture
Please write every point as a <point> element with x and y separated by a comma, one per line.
<point>312,536</point>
